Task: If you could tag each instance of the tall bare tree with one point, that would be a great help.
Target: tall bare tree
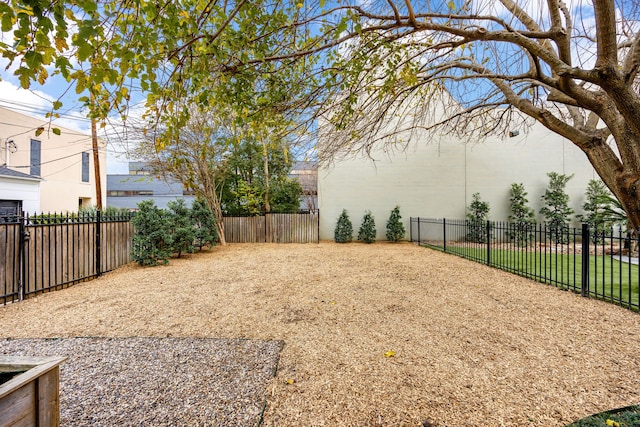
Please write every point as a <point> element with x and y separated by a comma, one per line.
<point>471,67</point>
<point>387,67</point>
<point>196,156</point>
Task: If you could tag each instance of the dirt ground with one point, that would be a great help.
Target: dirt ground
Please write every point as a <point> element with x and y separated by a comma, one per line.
<point>381,334</point>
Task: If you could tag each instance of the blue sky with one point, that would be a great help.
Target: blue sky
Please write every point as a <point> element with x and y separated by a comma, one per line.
<point>38,101</point>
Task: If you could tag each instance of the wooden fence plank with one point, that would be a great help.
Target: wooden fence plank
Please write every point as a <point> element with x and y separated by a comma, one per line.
<point>272,228</point>
<point>63,253</point>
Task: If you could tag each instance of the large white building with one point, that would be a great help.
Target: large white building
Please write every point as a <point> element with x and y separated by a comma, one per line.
<point>437,178</point>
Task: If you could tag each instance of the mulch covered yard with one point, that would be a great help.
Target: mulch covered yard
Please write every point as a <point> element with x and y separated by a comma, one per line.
<point>381,334</point>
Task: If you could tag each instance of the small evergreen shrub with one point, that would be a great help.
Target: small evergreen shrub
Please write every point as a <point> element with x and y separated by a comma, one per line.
<point>151,238</point>
<point>556,208</point>
<point>181,227</point>
<point>344,229</point>
<point>367,231</point>
<point>477,216</point>
<point>206,232</point>
<point>522,217</point>
<point>395,229</point>
<point>597,207</point>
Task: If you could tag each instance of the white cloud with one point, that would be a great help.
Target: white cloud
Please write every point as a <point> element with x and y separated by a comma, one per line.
<point>32,101</point>
<point>37,104</point>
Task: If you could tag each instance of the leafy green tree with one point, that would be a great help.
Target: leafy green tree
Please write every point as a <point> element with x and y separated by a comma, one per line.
<point>367,231</point>
<point>522,217</point>
<point>244,199</point>
<point>477,216</point>
<point>556,210</point>
<point>204,223</point>
<point>243,185</point>
<point>151,239</point>
<point>395,229</point>
<point>181,227</point>
<point>343,232</point>
<point>198,157</point>
<point>596,207</point>
<point>285,195</point>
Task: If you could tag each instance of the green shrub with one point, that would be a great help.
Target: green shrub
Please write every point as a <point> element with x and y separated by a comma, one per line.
<point>206,232</point>
<point>556,208</point>
<point>151,238</point>
<point>367,231</point>
<point>395,229</point>
<point>522,216</point>
<point>477,216</point>
<point>50,218</point>
<point>106,211</point>
<point>182,228</point>
<point>597,207</point>
<point>344,229</point>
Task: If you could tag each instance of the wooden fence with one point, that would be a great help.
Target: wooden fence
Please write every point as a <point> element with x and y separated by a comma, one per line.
<point>273,228</point>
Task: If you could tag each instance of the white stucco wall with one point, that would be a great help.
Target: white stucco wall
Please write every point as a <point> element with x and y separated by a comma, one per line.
<point>436,179</point>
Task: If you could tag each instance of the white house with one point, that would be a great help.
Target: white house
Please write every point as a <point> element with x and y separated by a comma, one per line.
<point>19,192</point>
<point>437,178</point>
<point>41,171</point>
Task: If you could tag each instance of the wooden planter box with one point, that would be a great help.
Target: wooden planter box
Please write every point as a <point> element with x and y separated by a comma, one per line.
<point>29,391</point>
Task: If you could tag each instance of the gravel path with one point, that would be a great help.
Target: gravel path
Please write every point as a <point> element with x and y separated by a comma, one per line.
<point>158,381</point>
<point>381,334</point>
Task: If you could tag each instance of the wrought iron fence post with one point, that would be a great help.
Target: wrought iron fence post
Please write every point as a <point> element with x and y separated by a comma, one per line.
<point>419,241</point>
<point>21,255</point>
<point>98,243</point>
<point>638,248</point>
<point>411,229</point>
<point>585,260</point>
<point>444,234</point>
<point>488,242</point>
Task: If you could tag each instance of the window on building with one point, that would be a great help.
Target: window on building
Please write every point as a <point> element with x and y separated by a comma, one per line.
<point>129,193</point>
<point>85,167</point>
<point>36,158</point>
<point>9,210</point>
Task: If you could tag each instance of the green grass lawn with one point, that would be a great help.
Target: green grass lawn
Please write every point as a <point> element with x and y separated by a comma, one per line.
<point>624,417</point>
<point>609,278</point>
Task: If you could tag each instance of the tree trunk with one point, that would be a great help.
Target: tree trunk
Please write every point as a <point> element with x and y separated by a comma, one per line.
<point>220,226</point>
<point>265,152</point>
<point>210,196</point>
<point>622,177</point>
<point>214,205</point>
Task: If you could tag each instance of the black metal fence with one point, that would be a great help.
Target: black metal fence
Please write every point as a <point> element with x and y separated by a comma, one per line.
<point>40,253</point>
<point>599,264</point>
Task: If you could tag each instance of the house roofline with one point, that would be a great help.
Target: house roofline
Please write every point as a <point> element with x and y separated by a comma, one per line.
<point>17,175</point>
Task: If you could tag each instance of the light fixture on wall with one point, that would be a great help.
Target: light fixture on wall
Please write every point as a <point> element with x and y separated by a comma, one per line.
<point>513,133</point>
<point>11,146</point>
